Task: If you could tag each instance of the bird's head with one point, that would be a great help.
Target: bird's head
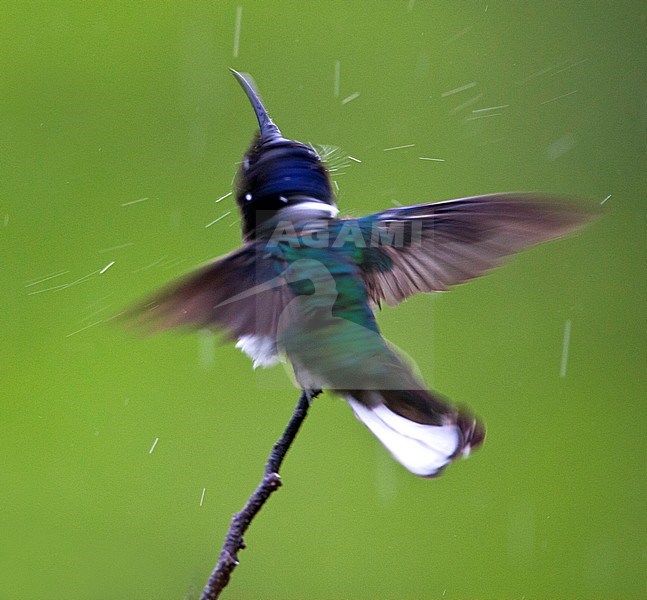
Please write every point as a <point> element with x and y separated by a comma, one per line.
<point>276,172</point>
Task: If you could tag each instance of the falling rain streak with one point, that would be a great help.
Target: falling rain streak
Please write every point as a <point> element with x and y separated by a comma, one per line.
<point>350,98</point>
<point>399,147</point>
<point>579,62</point>
<point>96,312</point>
<point>462,88</point>
<point>465,104</point>
<point>223,197</point>
<point>218,219</point>
<point>337,78</point>
<point>33,282</point>
<point>119,247</point>
<point>95,322</point>
<point>480,110</point>
<point>106,267</point>
<point>460,34</point>
<point>565,345</point>
<point>84,328</point>
<point>134,202</point>
<point>239,18</point>
<point>558,68</point>
<point>151,265</point>
<point>559,97</point>
<point>485,116</point>
<point>174,262</point>
<point>81,279</point>
<point>206,348</point>
<point>535,75</point>
<point>64,286</point>
<point>153,446</point>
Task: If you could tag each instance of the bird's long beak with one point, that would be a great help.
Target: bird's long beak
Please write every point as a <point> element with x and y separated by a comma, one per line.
<point>269,130</point>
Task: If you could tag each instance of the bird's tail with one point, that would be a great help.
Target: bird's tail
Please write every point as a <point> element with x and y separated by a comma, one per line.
<point>422,431</point>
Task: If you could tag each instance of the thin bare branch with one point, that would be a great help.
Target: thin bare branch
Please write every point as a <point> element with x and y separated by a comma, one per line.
<point>271,482</point>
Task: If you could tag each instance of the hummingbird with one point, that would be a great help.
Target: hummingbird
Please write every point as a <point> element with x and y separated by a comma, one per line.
<point>305,285</point>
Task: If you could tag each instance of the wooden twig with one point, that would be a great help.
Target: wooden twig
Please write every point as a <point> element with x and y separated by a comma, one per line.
<point>271,482</point>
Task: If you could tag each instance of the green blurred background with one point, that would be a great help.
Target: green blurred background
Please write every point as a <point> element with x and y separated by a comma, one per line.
<point>120,126</point>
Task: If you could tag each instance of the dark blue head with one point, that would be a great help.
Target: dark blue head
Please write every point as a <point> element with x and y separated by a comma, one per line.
<point>276,172</point>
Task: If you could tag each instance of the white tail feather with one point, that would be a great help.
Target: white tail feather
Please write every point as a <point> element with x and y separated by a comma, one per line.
<point>422,449</point>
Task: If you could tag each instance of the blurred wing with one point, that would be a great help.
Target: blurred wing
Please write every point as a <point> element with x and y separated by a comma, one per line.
<point>242,294</point>
<point>447,243</point>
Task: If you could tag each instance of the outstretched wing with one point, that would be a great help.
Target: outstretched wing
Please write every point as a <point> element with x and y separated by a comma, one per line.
<point>242,294</point>
<point>447,243</point>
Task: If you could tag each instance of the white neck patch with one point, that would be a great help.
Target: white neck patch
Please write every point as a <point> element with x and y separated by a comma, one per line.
<point>310,206</point>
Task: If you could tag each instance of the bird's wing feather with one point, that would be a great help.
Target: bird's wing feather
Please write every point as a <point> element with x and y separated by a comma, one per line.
<point>241,294</point>
<point>451,242</point>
